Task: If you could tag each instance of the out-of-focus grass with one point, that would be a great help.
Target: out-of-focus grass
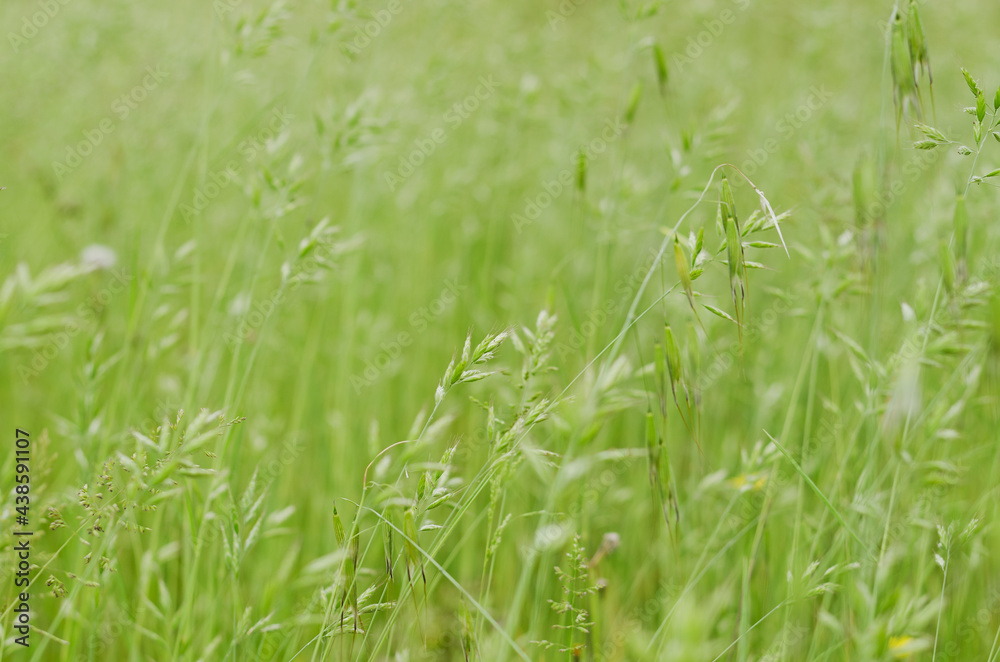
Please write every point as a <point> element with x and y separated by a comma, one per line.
<point>331,360</point>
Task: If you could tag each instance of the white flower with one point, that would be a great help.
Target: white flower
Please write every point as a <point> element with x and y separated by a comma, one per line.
<point>240,304</point>
<point>96,257</point>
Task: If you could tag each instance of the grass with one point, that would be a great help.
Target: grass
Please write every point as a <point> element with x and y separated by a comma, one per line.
<point>571,387</point>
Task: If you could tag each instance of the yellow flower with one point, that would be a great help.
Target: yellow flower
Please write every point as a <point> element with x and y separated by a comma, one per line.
<point>904,646</point>
<point>748,482</point>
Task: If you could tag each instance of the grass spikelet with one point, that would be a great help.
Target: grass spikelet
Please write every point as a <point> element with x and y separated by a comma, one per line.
<point>721,313</point>
<point>633,103</point>
<point>349,566</point>
<point>678,382</point>
<point>919,57</point>
<point>699,244</point>
<point>660,478</point>
<point>662,73</point>
<point>972,83</point>
<point>684,273</point>
<point>576,588</point>
<point>581,171</point>
<point>904,84</point>
<point>673,356</point>
<point>770,217</point>
<point>729,202</point>
<point>469,646</point>
<point>464,369</point>
<point>660,369</point>
<point>734,251</point>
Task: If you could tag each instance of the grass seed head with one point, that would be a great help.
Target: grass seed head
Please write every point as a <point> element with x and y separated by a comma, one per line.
<point>662,73</point>
<point>684,273</point>
<point>729,203</point>
<point>633,103</point>
<point>660,367</point>
<point>673,358</point>
<point>734,251</point>
<point>918,43</point>
<point>338,527</point>
<point>903,81</point>
<point>972,83</point>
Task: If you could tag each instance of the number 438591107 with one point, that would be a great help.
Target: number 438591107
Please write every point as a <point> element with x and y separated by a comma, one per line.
<point>23,472</point>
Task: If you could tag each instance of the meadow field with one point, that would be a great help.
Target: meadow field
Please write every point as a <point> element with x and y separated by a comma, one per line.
<point>565,330</point>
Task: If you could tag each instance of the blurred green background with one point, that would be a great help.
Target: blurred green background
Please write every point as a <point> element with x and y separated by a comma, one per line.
<point>441,255</point>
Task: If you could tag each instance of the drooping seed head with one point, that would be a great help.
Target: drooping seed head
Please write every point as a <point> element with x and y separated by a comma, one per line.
<point>673,356</point>
<point>633,103</point>
<point>903,81</point>
<point>660,62</point>
<point>729,212</point>
<point>917,41</point>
